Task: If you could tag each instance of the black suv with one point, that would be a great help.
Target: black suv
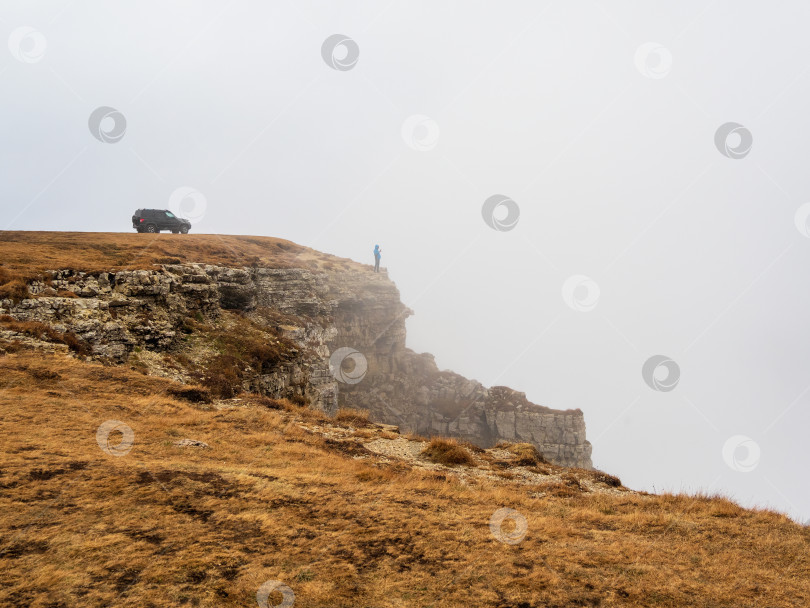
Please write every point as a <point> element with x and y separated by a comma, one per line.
<point>155,220</point>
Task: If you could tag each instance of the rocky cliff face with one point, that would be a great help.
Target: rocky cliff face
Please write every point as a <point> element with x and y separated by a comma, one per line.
<point>407,389</point>
<point>126,315</point>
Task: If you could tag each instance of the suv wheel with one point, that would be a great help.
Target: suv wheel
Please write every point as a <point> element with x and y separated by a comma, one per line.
<point>184,230</point>
<point>151,228</point>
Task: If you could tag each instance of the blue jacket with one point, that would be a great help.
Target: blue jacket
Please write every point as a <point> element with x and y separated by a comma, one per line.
<point>377,253</point>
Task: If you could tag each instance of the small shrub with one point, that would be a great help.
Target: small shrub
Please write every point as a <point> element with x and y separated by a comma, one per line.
<point>475,449</point>
<point>192,394</point>
<point>352,417</point>
<point>270,404</point>
<point>14,290</point>
<point>10,346</point>
<point>527,455</point>
<point>76,344</point>
<point>304,411</point>
<point>609,480</point>
<point>43,331</point>
<point>223,378</point>
<point>14,286</point>
<point>561,490</point>
<point>572,481</point>
<point>447,452</point>
<point>45,375</point>
<point>299,400</point>
<point>304,576</point>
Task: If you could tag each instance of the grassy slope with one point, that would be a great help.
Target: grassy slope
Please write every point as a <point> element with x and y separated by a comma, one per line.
<point>167,526</point>
<point>26,253</point>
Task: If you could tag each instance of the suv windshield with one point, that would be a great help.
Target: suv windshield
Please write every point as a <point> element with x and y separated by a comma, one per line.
<point>169,214</point>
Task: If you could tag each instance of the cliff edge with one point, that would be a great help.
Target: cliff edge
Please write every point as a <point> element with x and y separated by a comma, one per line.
<point>261,315</point>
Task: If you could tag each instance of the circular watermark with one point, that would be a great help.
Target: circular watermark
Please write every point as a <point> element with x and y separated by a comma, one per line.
<point>107,125</point>
<point>653,60</point>
<point>420,132</point>
<point>741,453</point>
<point>496,526</point>
<point>500,213</point>
<point>340,52</point>
<point>661,373</point>
<point>121,448</point>
<point>27,44</point>
<point>801,218</point>
<point>348,365</point>
<point>733,140</point>
<point>268,587</point>
<point>188,203</point>
<point>581,293</point>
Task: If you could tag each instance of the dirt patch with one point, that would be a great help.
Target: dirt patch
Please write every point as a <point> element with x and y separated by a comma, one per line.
<point>19,548</point>
<point>349,447</point>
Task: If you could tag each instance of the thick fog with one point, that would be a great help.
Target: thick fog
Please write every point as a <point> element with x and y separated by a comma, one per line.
<point>642,223</point>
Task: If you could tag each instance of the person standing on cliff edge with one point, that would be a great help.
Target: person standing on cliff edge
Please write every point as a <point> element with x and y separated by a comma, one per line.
<point>377,256</point>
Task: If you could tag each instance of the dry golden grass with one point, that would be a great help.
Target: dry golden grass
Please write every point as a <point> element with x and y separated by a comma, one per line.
<point>447,452</point>
<point>24,254</point>
<point>526,454</point>
<point>269,500</point>
<point>43,331</point>
<point>352,417</point>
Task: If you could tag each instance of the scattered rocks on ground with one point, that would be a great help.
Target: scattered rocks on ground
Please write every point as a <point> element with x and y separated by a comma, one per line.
<point>191,443</point>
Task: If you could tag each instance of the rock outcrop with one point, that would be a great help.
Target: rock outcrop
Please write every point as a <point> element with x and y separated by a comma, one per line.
<point>405,388</point>
<point>325,313</point>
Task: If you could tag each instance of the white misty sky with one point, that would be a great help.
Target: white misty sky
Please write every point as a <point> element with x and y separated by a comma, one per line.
<point>610,158</point>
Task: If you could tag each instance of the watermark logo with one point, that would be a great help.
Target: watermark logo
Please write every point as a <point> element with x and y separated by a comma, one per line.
<point>733,140</point>
<point>121,448</point>
<point>500,213</point>
<point>801,219</point>
<point>653,60</point>
<point>188,203</point>
<point>661,373</point>
<point>107,125</point>
<point>27,44</point>
<point>420,132</point>
<point>268,587</point>
<point>340,52</point>
<point>521,526</point>
<point>741,453</point>
<point>348,365</point>
<point>580,293</point>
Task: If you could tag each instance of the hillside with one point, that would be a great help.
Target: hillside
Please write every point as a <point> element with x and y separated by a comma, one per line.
<point>286,493</point>
<point>174,433</point>
<point>30,252</point>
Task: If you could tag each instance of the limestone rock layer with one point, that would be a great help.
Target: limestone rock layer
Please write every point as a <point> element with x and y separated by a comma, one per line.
<point>119,312</point>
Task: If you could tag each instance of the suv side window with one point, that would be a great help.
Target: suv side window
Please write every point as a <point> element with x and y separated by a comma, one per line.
<point>169,214</point>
